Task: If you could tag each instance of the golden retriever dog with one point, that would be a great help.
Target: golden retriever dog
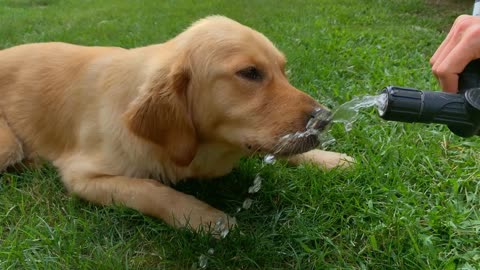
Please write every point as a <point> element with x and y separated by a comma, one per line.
<point>120,125</point>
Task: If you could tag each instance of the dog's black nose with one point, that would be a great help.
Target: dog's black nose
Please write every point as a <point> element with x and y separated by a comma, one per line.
<point>320,112</point>
<point>319,119</point>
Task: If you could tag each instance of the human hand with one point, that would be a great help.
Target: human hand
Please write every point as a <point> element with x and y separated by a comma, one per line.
<point>461,46</point>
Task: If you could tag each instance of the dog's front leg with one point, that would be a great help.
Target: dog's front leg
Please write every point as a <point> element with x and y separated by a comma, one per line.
<point>324,159</point>
<point>149,197</point>
<point>11,150</point>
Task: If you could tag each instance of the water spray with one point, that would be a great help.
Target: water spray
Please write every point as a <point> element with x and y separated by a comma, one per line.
<point>460,112</point>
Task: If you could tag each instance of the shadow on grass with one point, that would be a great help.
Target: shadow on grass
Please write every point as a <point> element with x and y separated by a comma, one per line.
<point>225,193</point>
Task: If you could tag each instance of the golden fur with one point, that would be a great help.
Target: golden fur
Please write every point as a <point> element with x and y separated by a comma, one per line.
<point>112,119</point>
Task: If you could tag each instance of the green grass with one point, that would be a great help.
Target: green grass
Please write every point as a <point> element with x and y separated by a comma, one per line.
<point>412,202</point>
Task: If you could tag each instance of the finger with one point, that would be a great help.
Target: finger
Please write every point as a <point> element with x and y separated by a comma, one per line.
<point>449,83</point>
<point>436,77</point>
<point>441,48</point>
<point>450,43</point>
<point>460,24</point>
<point>453,64</point>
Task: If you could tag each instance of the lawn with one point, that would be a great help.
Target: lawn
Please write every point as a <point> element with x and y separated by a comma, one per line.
<point>411,202</point>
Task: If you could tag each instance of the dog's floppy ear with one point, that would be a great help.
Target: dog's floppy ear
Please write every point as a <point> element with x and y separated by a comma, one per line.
<point>160,113</point>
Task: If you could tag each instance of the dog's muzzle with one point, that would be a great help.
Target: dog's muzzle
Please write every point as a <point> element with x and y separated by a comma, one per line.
<point>319,119</point>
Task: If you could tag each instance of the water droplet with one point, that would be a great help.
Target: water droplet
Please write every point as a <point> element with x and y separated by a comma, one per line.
<point>348,126</point>
<point>211,251</point>
<point>247,203</point>
<point>224,233</point>
<point>257,184</point>
<point>221,227</point>
<point>269,159</point>
<point>326,139</point>
<point>202,261</point>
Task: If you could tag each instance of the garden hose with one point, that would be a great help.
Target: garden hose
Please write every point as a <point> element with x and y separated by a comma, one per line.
<point>460,112</point>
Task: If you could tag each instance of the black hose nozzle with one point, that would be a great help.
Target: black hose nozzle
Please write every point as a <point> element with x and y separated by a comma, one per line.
<point>460,112</point>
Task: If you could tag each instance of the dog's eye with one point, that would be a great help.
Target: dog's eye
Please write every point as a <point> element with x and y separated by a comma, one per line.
<point>250,73</point>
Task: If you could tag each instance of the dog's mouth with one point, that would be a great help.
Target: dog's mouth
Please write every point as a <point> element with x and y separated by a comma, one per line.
<point>298,142</point>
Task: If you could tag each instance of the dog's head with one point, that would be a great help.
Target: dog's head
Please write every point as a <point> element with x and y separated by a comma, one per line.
<point>223,82</point>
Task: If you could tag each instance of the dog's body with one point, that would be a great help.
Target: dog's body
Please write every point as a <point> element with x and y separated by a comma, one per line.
<point>112,119</point>
<point>65,111</point>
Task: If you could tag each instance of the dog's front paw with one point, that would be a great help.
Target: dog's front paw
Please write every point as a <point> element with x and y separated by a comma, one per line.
<point>217,223</point>
<point>324,159</point>
<point>204,218</point>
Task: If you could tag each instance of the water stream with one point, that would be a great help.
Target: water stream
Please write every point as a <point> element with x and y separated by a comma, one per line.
<point>346,114</point>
